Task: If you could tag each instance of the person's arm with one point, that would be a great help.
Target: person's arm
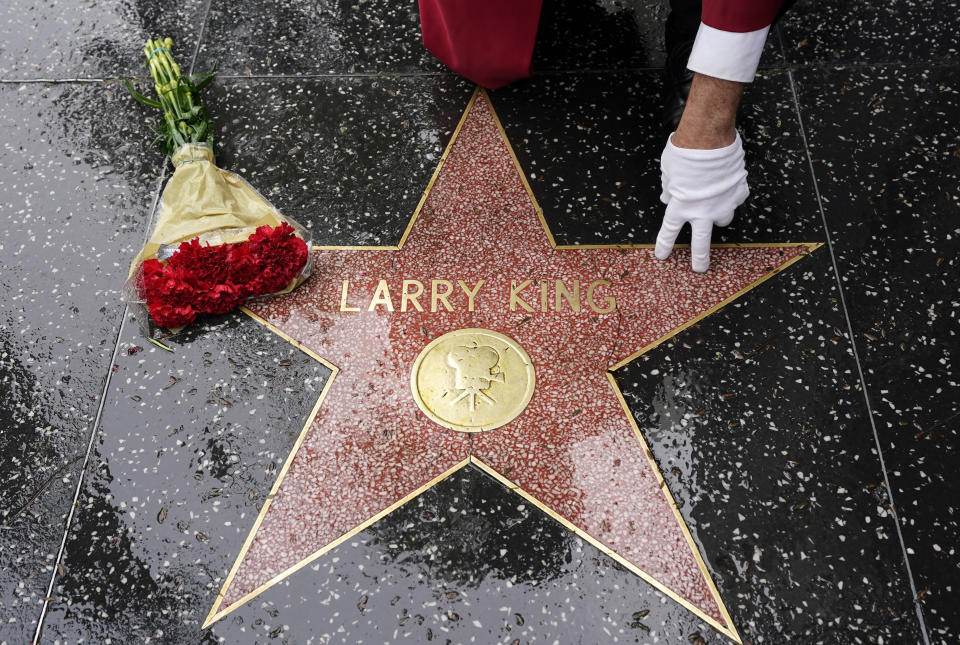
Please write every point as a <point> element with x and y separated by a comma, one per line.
<point>710,117</point>
<point>703,173</point>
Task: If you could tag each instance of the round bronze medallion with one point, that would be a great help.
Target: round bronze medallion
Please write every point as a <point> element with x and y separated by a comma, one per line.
<point>471,380</point>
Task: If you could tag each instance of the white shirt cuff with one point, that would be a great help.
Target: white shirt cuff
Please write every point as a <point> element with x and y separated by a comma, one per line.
<point>729,55</point>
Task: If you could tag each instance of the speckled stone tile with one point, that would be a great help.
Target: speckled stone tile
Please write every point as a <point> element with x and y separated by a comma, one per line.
<point>592,158</point>
<point>349,158</point>
<point>63,39</point>
<point>609,35</point>
<point>467,561</point>
<point>277,38</point>
<point>886,149</point>
<point>905,31</point>
<point>756,419</point>
<point>187,447</point>
<point>76,186</point>
<point>326,37</point>
<point>600,34</point>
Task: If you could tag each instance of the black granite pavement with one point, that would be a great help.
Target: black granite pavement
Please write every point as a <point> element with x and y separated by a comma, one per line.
<point>809,430</point>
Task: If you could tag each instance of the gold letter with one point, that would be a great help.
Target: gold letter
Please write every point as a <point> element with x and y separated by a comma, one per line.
<point>543,295</point>
<point>515,299</point>
<point>572,299</point>
<point>440,296</point>
<point>343,298</point>
<point>411,297</point>
<point>381,297</point>
<point>470,294</point>
<point>611,301</point>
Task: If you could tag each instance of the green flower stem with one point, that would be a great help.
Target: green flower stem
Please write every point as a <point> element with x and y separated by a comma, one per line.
<point>184,121</point>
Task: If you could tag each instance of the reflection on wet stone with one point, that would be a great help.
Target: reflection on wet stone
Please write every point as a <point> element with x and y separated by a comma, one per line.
<point>577,35</point>
<point>446,533</point>
<point>348,158</point>
<point>189,444</point>
<point>756,418</point>
<point>63,39</point>
<point>428,570</point>
<point>73,196</point>
<point>605,35</point>
<point>328,36</point>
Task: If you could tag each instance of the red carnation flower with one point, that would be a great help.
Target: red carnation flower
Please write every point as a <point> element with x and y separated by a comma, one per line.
<point>178,285</point>
<point>219,299</point>
<point>166,315</point>
<point>217,279</point>
<point>208,263</point>
<point>243,268</point>
<point>151,272</point>
<point>281,254</point>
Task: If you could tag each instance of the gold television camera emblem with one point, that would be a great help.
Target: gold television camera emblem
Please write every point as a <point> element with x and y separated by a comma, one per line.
<point>488,369</point>
<point>474,367</point>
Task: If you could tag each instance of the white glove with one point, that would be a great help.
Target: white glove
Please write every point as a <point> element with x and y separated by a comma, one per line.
<point>702,187</point>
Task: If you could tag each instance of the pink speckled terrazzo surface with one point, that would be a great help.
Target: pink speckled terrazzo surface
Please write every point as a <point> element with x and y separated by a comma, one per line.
<point>572,448</point>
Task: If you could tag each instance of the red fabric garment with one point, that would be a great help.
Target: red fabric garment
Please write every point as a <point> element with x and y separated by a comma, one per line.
<point>489,42</point>
<point>739,15</point>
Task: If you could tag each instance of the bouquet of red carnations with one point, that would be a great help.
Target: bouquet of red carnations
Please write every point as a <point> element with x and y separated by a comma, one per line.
<point>216,241</point>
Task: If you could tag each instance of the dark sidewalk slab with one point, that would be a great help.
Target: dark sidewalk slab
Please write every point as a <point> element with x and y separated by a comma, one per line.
<point>844,31</point>
<point>61,40</point>
<point>349,158</point>
<point>326,37</point>
<point>189,444</point>
<point>579,35</point>
<point>383,37</point>
<point>76,185</point>
<point>590,145</point>
<point>592,35</point>
<point>757,421</point>
<point>886,150</point>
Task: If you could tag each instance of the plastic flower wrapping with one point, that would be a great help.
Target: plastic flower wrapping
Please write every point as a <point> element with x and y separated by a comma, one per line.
<point>215,241</point>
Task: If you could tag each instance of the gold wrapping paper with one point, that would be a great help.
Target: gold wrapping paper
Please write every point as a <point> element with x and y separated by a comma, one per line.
<point>202,200</point>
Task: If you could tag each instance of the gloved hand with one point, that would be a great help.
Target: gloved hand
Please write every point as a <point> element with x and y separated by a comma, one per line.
<point>702,187</point>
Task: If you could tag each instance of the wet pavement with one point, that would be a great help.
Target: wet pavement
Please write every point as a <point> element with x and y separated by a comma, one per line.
<point>807,430</point>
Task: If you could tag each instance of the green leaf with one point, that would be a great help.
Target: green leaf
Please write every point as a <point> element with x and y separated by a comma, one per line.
<point>159,344</point>
<point>200,81</point>
<point>140,97</point>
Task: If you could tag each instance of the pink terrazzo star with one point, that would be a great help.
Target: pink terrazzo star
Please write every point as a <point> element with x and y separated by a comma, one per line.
<point>574,450</point>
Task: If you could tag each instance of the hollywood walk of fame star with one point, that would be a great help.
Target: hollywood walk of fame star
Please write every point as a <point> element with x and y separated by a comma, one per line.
<point>477,256</point>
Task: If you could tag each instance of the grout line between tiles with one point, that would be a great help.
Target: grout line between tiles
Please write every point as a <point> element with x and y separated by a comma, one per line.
<point>22,81</point>
<point>856,358</point>
<point>93,434</point>
<point>780,44</point>
<point>321,75</point>
<point>76,494</point>
<point>782,68</point>
<point>203,28</point>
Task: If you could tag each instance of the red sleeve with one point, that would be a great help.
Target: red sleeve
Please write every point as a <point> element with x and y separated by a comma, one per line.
<point>739,15</point>
<point>488,41</point>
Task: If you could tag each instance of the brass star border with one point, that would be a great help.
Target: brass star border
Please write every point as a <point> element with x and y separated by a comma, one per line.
<point>217,612</point>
